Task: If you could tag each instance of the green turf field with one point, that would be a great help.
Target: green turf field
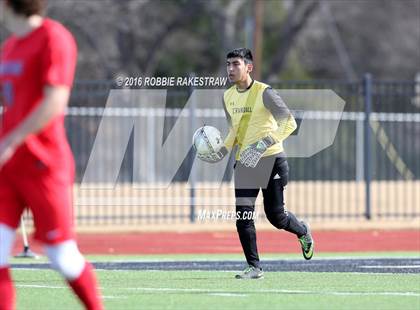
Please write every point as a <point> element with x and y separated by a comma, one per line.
<point>44,289</point>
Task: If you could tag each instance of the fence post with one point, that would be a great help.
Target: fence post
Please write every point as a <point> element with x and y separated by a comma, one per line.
<point>367,88</point>
<point>192,153</point>
<point>360,153</point>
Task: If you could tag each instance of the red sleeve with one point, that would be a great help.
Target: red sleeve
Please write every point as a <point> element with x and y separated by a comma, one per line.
<point>59,59</point>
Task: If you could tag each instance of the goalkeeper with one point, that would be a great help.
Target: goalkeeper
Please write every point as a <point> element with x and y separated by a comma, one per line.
<point>259,122</point>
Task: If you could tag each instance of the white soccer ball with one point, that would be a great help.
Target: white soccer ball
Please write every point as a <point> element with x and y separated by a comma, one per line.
<point>207,140</point>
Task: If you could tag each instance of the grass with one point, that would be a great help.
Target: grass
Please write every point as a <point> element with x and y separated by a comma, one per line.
<point>44,289</point>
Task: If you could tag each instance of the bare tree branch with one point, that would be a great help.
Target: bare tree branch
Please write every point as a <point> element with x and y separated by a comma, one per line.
<point>290,29</point>
<point>186,12</point>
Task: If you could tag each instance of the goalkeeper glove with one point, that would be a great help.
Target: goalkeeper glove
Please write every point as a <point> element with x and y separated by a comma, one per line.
<point>214,157</point>
<point>252,154</point>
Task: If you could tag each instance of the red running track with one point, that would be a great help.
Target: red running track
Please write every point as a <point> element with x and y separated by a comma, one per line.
<point>227,242</point>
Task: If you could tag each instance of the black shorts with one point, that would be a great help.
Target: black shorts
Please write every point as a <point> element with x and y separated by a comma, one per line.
<point>268,168</point>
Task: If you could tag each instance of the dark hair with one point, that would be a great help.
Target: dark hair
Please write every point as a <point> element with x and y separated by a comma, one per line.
<point>27,7</point>
<point>242,52</point>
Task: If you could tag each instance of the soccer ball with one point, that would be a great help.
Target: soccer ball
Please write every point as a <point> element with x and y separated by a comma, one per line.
<point>207,141</point>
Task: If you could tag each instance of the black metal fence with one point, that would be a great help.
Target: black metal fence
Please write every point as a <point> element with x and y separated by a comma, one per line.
<point>372,170</point>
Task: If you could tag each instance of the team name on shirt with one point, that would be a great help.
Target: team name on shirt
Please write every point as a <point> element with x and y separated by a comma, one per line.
<point>242,110</point>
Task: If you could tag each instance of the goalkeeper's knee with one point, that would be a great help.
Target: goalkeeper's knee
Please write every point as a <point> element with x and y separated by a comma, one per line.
<point>244,218</point>
<point>278,218</point>
<point>66,259</point>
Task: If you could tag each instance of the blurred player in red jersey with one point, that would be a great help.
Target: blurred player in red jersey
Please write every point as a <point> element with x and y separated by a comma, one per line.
<point>37,64</point>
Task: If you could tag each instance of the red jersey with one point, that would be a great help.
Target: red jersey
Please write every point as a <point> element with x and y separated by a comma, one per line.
<point>46,56</point>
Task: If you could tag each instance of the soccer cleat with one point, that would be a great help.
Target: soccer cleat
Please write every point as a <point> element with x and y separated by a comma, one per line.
<point>251,273</point>
<point>307,243</point>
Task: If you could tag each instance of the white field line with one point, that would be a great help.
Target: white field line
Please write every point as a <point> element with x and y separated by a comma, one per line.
<point>279,291</point>
<point>113,297</point>
<point>212,292</point>
<point>40,286</point>
<point>228,294</point>
<point>391,267</point>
